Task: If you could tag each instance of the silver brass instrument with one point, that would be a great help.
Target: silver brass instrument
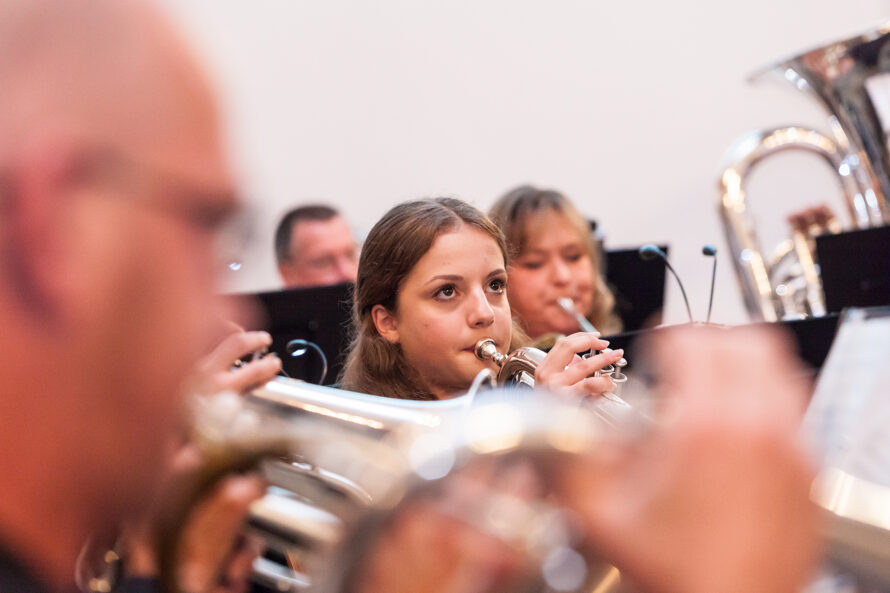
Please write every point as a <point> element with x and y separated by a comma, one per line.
<point>851,79</point>
<point>286,428</point>
<point>353,473</point>
<point>335,459</point>
<point>518,367</point>
<point>492,489</point>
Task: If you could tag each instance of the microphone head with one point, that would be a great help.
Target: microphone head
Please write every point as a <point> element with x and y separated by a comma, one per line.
<point>650,252</point>
<point>709,250</point>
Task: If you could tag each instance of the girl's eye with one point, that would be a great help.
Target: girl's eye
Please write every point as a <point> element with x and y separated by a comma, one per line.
<point>444,293</point>
<point>497,285</point>
<point>532,265</point>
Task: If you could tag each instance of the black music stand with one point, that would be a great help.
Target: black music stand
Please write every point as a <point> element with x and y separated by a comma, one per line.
<point>855,268</point>
<point>322,315</point>
<point>812,337</point>
<point>638,286</point>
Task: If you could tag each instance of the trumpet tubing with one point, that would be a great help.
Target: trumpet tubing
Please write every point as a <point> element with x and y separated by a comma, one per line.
<point>518,367</point>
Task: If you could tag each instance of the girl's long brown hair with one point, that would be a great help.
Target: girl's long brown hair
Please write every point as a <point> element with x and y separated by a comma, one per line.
<point>512,214</point>
<point>392,249</point>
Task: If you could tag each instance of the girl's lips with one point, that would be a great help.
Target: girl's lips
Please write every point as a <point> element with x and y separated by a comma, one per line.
<point>472,347</point>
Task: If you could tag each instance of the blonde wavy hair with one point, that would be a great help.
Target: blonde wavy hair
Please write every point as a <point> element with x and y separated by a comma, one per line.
<point>512,213</point>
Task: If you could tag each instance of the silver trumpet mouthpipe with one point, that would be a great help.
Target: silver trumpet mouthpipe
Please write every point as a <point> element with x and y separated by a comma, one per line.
<point>569,307</point>
<point>516,368</point>
<point>486,350</point>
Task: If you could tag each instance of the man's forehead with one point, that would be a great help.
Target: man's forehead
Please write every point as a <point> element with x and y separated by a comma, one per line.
<point>314,236</point>
<point>136,86</point>
<point>336,226</point>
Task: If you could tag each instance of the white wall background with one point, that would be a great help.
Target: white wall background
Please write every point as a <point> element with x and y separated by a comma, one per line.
<point>625,106</point>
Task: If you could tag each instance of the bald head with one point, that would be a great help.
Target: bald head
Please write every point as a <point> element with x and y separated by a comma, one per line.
<point>113,185</point>
<point>109,72</point>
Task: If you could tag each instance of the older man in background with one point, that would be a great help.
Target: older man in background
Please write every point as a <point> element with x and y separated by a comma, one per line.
<point>314,246</point>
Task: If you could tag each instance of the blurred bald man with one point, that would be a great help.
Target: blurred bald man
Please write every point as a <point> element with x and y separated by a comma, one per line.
<point>113,185</point>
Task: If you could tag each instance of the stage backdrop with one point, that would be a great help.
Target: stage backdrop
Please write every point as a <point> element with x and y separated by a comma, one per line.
<point>625,106</point>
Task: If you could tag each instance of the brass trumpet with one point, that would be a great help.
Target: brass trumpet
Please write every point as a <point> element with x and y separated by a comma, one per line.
<point>517,369</point>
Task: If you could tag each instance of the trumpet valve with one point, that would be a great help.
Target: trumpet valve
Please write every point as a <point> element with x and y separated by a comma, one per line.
<point>608,370</point>
<point>618,376</point>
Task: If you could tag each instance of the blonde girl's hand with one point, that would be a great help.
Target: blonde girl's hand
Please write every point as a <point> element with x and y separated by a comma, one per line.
<point>564,370</point>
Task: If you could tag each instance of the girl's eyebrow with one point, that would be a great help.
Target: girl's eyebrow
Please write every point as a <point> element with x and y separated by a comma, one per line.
<point>448,277</point>
<point>458,278</point>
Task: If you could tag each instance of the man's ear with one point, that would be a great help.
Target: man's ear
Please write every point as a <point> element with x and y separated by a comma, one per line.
<point>34,212</point>
<point>386,323</point>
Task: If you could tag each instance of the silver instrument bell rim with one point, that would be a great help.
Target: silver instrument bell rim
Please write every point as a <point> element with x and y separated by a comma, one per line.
<point>866,36</point>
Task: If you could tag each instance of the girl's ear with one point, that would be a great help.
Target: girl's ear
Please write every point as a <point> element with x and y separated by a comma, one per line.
<point>386,323</point>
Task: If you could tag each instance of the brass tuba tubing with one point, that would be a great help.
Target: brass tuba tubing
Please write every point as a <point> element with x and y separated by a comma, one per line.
<point>848,78</point>
<point>754,270</point>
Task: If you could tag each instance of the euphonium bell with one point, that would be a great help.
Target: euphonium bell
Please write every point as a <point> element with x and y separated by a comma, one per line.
<point>347,470</point>
<point>850,79</point>
<point>328,455</point>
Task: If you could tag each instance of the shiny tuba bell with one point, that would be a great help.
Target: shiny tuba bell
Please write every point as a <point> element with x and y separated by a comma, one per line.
<point>851,79</point>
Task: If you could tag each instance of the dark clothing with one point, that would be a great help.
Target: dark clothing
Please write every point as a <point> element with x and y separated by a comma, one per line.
<point>15,579</point>
<point>138,585</point>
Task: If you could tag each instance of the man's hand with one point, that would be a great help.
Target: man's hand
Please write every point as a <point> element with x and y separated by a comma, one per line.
<point>213,558</point>
<point>215,372</point>
<point>716,498</point>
